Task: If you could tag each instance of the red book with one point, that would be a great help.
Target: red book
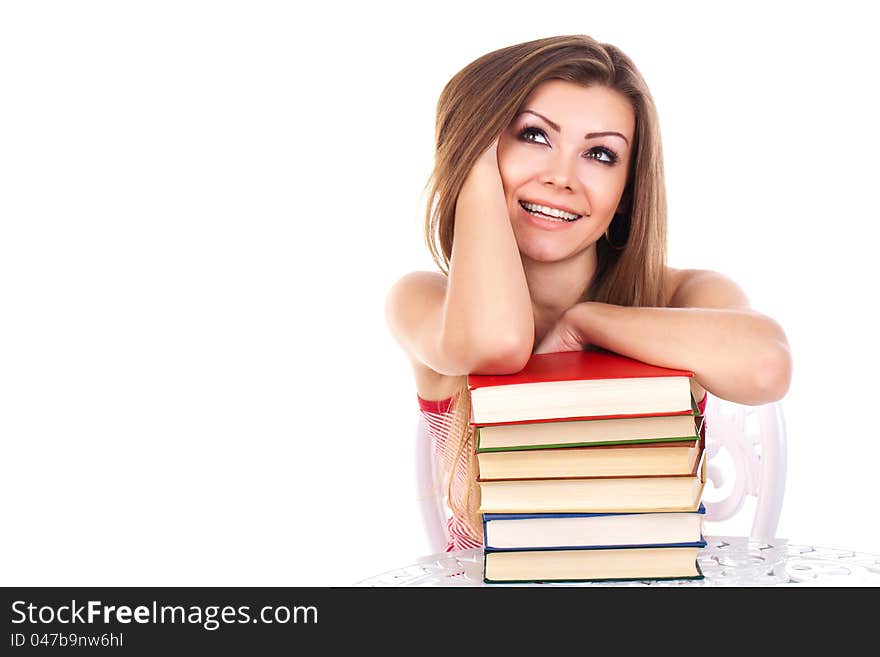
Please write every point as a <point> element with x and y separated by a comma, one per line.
<point>579,385</point>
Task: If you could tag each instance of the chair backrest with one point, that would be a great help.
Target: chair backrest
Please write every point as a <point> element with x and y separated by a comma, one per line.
<point>429,493</point>
<point>746,457</point>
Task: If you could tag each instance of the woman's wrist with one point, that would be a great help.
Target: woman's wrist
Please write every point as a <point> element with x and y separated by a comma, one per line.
<point>483,186</point>
<point>487,163</point>
<point>485,171</point>
<point>578,318</point>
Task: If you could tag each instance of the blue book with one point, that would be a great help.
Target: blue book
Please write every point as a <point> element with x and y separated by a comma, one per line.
<point>568,531</point>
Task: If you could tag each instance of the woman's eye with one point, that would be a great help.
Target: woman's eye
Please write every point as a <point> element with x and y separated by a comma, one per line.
<point>524,135</point>
<point>602,155</point>
<point>598,153</point>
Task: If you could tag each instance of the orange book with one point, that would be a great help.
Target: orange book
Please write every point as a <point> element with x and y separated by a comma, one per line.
<point>627,460</point>
<point>615,494</point>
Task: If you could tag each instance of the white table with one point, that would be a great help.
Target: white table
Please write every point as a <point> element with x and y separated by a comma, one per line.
<point>725,561</point>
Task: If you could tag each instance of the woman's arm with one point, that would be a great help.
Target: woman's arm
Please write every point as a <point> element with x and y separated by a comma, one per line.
<point>479,319</point>
<point>735,353</point>
<point>488,307</point>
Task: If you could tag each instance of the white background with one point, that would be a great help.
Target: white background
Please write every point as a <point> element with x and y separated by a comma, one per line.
<point>203,206</point>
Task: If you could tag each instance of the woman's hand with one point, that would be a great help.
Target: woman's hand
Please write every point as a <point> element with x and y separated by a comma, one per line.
<point>565,335</point>
<point>484,178</point>
<point>489,157</point>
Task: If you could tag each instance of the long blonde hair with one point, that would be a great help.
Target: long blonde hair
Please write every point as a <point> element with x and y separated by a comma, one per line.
<point>480,101</point>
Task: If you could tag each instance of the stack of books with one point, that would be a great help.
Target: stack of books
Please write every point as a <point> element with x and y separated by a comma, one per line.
<point>591,467</point>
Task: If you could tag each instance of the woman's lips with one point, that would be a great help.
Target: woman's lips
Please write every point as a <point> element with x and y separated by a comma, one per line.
<point>546,224</point>
<point>552,206</point>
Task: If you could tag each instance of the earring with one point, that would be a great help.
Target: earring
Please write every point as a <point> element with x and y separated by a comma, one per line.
<point>608,236</point>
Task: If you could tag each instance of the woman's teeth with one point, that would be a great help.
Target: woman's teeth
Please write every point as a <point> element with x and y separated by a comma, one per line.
<point>548,213</point>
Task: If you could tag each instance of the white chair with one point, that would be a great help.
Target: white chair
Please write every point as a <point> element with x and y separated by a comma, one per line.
<point>746,457</point>
<point>430,493</point>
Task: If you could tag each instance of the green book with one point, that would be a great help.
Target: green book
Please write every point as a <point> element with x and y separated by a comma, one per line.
<point>591,432</point>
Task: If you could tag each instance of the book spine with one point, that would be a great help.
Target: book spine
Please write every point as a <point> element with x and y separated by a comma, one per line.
<point>696,544</point>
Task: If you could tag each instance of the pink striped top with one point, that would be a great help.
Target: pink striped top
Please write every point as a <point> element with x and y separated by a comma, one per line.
<point>438,417</point>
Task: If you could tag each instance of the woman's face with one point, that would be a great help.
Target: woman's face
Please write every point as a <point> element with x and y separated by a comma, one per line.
<point>573,157</point>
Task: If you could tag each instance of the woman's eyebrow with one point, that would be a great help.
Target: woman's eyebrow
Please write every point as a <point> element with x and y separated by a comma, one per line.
<point>590,135</point>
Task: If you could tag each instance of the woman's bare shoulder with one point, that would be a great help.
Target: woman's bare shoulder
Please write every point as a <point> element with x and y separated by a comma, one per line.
<point>702,288</point>
<point>672,281</point>
<point>409,299</point>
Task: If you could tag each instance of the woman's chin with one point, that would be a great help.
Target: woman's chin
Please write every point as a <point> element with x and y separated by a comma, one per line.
<point>549,253</point>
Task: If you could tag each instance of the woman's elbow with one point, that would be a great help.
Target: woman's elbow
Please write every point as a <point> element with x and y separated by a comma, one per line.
<point>502,354</point>
<point>772,376</point>
<point>504,358</point>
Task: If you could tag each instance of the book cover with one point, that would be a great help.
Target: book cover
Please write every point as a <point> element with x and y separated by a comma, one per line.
<point>627,460</point>
<point>505,531</point>
<point>579,385</point>
<point>689,544</point>
<point>591,565</point>
<point>552,434</point>
<point>527,516</point>
<point>575,366</point>
<point>596,494</point>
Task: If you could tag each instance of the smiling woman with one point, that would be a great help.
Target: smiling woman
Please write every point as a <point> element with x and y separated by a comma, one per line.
<point>547,221</point>
<point>563,190</point>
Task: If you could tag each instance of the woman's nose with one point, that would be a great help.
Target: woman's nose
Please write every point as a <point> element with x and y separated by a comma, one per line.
<point>559,172</point>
